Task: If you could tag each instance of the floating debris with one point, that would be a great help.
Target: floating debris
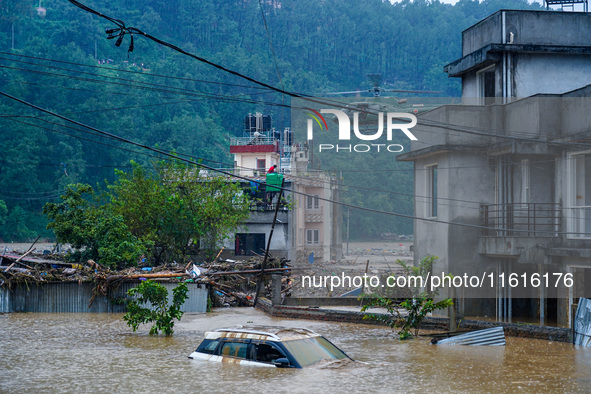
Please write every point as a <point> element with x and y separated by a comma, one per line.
<point>488,337</point>
<point>583,323</point>
<point>233,280</point>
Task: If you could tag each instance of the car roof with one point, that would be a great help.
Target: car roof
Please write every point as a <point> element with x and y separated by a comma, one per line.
<point>269,333</point>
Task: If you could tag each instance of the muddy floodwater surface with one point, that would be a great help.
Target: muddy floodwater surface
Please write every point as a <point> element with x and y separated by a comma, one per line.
<point>99,353</point>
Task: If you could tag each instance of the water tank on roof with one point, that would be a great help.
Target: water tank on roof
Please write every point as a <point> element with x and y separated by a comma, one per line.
<point>257,122</point>
<point>274,179</point>
<point>276,134</point>
<point>287,136</point>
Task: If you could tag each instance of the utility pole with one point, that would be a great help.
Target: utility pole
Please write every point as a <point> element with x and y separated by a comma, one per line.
<point>348,218</point>
<point>260,282</point>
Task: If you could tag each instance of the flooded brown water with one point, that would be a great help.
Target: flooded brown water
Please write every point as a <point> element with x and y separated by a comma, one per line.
<point>98,353</point>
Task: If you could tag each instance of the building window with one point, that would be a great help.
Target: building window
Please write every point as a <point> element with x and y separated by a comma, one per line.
<point>312,237</point>
<point>312,202</point>
<point>486,85</point>
<point>525,195</point>
<point>262,165</point>
<point>249,244</point>
<point>579,196</point>
<point>431,191</point>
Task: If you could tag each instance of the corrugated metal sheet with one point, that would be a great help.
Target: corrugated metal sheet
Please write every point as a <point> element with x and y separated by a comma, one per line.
<point>489,337</point>
<point>583,323</point>
<point>4,301</point>
<point>72,297</point>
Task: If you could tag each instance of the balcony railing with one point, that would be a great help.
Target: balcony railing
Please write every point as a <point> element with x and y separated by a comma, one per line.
<point>261,140</point>
<point>521,219</point>
<point>317,248</point>
<point>313,214</point>
<point>262,206</point>
<point>579,222</point>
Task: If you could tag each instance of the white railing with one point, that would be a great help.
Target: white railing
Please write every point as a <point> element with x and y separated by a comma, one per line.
<point>261,140</point>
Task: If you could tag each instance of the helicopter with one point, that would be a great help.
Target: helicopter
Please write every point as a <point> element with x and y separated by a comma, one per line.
<point>376,90</point>
<point>369,109</point>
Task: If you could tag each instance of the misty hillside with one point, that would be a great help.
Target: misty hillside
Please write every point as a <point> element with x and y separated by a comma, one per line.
<point>59,58</point>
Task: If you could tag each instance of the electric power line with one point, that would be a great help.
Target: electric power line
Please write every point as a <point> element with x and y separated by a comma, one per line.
<point>156,150</point>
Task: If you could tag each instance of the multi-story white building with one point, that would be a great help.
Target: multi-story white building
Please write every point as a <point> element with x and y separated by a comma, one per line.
<point>503,182</point>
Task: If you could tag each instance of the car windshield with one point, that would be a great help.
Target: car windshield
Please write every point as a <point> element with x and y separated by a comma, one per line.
<point>309,351</point>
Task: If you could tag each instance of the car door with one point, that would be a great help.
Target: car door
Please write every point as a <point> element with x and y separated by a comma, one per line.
<point>267,352</point>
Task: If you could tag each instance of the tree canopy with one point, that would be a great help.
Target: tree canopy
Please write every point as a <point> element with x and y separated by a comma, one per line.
<point>163,215</point>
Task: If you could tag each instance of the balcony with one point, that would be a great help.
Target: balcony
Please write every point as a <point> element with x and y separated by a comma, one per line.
<point>266,206</point>
<point>523,231</point>
<point>260,144</point>
<point>317,248</point>
<point>261,140</point>
<point>313,215</point>
<point>521,219</point>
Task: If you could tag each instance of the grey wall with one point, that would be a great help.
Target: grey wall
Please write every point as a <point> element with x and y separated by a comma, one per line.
<point>544,73</point>
<point>71,297</point>
<point>531,28</point>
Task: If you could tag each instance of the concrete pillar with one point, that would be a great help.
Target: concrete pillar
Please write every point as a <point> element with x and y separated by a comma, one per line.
<point>453,326</point>
<point>542,290</point>
<point>276,289</point>
<point>562,307</point>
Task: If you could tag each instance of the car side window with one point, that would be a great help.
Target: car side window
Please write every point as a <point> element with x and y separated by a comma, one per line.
<point>208,346</point>
<point>266,353</point>
<point>235,349</point>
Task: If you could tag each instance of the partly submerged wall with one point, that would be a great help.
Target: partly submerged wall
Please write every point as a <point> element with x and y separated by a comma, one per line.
<point>65,297</point>
<point>557,334</point>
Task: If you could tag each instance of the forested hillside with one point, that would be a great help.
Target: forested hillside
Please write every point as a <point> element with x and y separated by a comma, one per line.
<point>59,58</point>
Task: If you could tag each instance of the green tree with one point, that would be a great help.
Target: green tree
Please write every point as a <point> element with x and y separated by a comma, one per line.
<point>159,312</point>
<point>163,214</point>
<point>3,212</point>
<point>94,230</point>
<point>417,307</point>
<point>176,207</point>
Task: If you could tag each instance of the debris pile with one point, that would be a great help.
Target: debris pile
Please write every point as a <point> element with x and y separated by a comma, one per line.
<point>381,252</point>
<point>233,282</point>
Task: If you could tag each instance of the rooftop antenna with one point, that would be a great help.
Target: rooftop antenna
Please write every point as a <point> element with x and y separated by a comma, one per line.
<point>566,5</point>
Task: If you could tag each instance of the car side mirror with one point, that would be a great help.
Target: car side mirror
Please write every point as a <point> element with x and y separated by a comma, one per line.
<point>282,363</point>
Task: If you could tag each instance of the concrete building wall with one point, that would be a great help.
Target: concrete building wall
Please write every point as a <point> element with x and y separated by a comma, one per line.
<point>549,73</point>
<point>530,52</point>
<point>482,33</point>
<point>425,241</point>
<point>469,88</point>
<point>528,28</point>
<point>532,73</point>
<point>279,243</point>
<point>246,163</point>
<point>322,219</point>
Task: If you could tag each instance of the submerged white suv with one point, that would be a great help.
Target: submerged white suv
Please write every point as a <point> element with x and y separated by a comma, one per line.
<point>267,346</point>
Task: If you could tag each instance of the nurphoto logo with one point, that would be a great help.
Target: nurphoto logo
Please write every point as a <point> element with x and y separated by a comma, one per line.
<point>393,123</point>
